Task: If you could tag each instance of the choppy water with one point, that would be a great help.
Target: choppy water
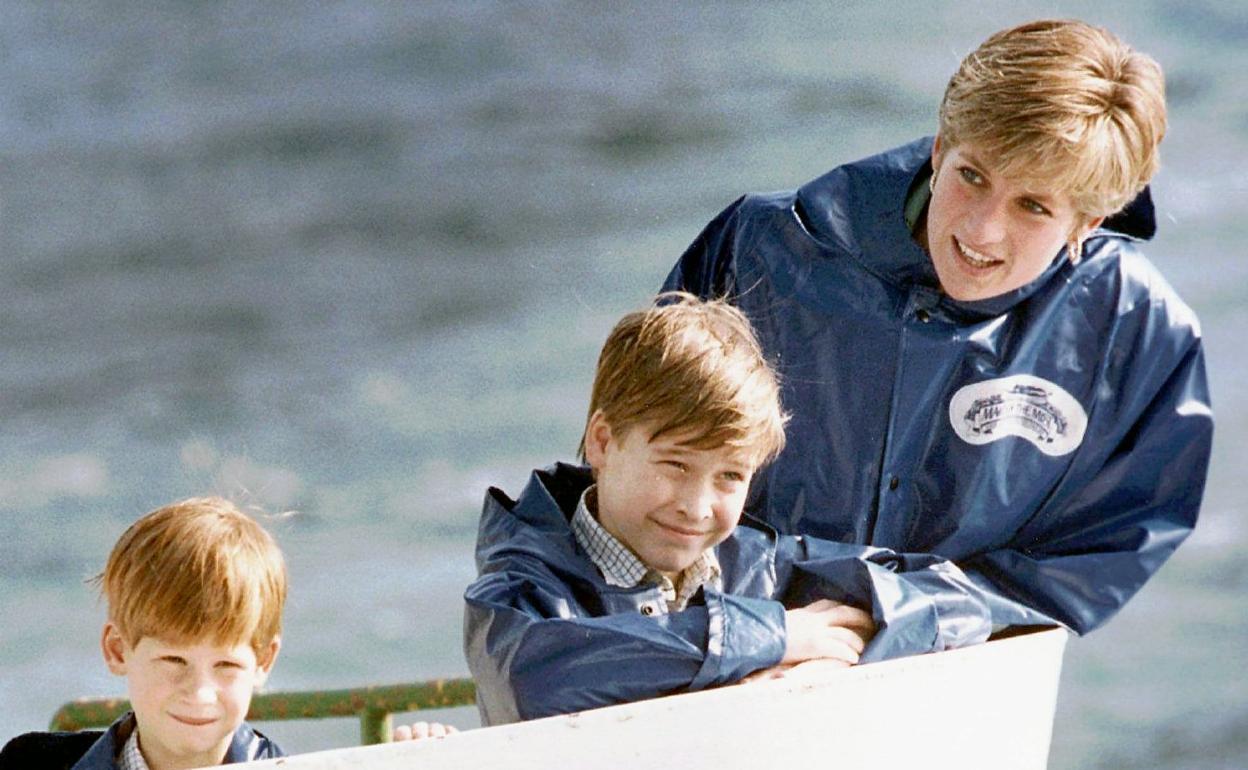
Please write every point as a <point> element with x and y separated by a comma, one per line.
<point>355,261</point>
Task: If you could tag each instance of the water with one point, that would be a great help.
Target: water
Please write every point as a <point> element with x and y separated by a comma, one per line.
<point>355,262</point>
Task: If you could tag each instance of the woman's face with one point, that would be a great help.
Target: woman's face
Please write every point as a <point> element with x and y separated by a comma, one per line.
<point>988,234</point>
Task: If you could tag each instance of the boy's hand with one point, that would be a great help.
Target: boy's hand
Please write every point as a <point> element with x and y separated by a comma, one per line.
<point>826,629</point>
<point>778,671</point>
<point>804,670</point>
<point>418,730</point>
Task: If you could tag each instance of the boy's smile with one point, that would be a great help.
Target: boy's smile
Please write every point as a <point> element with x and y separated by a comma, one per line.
<point>666,501</point>
<point>188,699</point>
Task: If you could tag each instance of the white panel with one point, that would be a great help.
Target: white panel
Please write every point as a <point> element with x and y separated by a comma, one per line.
<point>989,706</point>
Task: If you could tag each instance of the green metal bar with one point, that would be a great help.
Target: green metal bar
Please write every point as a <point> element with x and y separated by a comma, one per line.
<point>376,726</point>
<point>373,706</point>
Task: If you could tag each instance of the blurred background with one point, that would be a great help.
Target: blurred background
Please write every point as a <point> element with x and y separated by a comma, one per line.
<point>355,260</point>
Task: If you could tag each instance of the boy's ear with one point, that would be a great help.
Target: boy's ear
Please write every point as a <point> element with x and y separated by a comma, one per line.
<point>597,437</point>
<point>266,659</point>
<point>114,647</point>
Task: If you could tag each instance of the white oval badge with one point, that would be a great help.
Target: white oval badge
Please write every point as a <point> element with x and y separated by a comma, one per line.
<point>1019,405</point>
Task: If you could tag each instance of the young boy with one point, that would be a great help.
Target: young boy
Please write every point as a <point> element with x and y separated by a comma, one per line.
<point>195,593</point>
<point>631,579</point>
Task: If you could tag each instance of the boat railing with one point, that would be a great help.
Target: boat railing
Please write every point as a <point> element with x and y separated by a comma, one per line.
<point>986,707</point>
<point>373,706</point>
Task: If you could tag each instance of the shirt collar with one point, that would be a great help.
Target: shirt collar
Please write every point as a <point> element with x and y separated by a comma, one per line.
<point>130,757</point>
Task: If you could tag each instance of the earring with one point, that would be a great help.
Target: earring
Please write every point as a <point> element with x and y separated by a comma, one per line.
<point>1074,250</point>
<point>931,182</point>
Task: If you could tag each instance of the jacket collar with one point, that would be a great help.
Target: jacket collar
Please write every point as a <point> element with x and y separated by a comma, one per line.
<point>244,746</point>
<point>859,209</point>
<point>103,753</point>
<point>538,523</point>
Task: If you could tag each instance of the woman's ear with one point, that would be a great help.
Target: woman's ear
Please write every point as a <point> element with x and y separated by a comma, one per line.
<point>1074,246</point>
<point>937,152</point>
<point>1088,226</point>
<point>114,647</point>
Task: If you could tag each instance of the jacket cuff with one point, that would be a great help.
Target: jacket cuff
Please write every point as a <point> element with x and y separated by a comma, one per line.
<point>743,636</point>
<point>923,611</point>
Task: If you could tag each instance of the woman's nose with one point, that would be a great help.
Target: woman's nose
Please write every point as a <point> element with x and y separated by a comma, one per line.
<point>986,222</point>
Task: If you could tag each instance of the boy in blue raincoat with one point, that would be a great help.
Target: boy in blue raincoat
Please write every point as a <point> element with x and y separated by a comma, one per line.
<point>632,578</point>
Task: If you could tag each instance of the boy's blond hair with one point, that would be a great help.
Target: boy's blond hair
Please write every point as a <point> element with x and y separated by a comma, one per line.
<point>196,570</point>
<point>690,366</point>
<point>1062,105</point>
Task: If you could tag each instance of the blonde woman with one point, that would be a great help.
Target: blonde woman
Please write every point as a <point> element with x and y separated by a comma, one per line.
<point>979,362</point>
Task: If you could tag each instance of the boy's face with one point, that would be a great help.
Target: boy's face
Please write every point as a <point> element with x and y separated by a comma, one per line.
<point>668,502</point>
<point>187,698</point>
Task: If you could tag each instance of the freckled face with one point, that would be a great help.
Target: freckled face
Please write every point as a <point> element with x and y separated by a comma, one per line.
<point>988,234</point>
<point>666,501</point>
<point>188,699</point>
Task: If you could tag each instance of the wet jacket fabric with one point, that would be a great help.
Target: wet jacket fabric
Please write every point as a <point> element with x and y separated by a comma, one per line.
<point>1052,441</point>
<point>98,750</point>
<point>545,634</point>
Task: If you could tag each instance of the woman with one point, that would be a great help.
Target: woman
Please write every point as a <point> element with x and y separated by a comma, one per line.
<point>979,362</point>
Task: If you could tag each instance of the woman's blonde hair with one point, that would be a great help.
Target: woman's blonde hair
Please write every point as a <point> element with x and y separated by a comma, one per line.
<point>1064,105</point>
<point>196,570</point>
<point>690,367</point>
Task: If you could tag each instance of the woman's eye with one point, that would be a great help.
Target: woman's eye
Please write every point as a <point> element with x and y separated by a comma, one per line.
<point>676,465</point>
<point>971,175</point>
<point>1035,208</point>
<point>734,476</point>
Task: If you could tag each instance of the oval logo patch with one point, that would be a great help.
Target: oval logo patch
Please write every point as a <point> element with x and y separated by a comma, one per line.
<point>1019,405</point>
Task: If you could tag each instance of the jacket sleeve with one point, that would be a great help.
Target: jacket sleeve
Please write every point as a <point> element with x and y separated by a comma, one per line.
<point>920,603</point>
<point>1092,548</point>
<point>535,651</point>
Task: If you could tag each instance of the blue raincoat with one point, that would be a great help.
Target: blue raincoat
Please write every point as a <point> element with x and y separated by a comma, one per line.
<point>545,634</point>
<point>1052,441</point>
<point>96,750</point>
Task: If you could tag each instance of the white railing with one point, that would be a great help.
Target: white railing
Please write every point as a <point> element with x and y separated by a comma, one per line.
<point>989,706</point>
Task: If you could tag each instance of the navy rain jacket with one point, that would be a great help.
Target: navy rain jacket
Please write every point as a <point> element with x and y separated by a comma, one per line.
<point>545,634</point>
<point>1052,441</point>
